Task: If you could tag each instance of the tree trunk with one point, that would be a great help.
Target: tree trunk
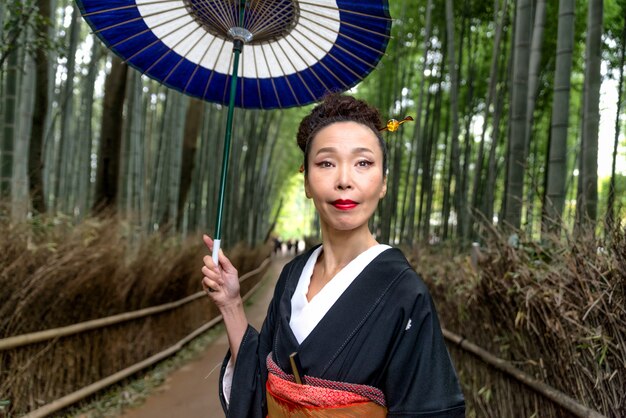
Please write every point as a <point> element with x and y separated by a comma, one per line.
<point>531,98</point>
<point>610,205</point>
<point>84,170</point>
<point>65,158</point>
<point>517,137</point>
<point>265,172</point>
<point>488,205</point>
<point>52,116</point>
<point>430,116</point>
<point>533,67</point>
<point>2,17</point>
<point>477,190</point>
<point>200,182</point>
<point>9,129</point>
<point>175,159</point>
<point>110,137</point>
<point>586,210</point>
<point>35,160</point>
<point>430,158</point>
<point>557,158</point>
<point>418,139</point>
<point>455,166</point>
<point>135,145</point>
<point>465,215</point>
<point>20,202</point>
<point>193,121</point>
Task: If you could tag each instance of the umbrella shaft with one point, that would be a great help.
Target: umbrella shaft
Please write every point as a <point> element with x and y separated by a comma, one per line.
<point>238,46</point>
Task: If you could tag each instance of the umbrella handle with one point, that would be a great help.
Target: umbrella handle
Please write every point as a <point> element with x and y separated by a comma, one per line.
<point>216,250</point>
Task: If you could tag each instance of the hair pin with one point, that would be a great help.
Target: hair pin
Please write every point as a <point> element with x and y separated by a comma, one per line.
<point>393,124</point>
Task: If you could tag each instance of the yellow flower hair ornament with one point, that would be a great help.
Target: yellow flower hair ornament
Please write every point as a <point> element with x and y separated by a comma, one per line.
<point>393,124</point>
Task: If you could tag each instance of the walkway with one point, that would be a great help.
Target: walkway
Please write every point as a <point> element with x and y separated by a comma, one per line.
<point>191,391</point>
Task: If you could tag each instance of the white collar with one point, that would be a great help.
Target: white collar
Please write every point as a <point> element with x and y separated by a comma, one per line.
<point>306,315</point>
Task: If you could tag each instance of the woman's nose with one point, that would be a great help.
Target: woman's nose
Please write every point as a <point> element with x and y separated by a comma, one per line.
<point>344,179</point>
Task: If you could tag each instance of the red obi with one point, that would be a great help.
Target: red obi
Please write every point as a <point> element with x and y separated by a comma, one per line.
<point>319,397</point>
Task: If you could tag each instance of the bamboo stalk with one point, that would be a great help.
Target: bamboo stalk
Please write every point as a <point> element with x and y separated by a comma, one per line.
<point>35,337</point>
<point>80,394</point>
<point>543,389</point>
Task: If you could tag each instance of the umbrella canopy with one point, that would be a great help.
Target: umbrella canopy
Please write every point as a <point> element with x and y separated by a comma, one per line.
<point>295,50</point>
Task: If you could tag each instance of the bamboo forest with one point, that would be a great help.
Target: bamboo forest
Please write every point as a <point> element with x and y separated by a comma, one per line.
<point>506,192</point>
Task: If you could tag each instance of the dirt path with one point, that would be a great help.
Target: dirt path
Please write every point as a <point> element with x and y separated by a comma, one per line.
<point>191,391</point>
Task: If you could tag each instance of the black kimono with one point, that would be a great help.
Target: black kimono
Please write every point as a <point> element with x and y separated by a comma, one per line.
<point>383,331</point>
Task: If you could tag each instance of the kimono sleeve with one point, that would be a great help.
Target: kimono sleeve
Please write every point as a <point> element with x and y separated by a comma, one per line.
<point>247,395</point>
<point>420,380</point>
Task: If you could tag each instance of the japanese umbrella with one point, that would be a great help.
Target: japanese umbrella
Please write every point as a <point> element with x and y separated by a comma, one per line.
<point>295,50</point>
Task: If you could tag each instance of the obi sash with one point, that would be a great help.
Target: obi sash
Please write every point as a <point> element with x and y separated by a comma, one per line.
<point>319,398</point>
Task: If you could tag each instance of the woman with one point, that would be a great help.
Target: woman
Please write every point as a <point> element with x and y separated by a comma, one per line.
<point>361,321</point>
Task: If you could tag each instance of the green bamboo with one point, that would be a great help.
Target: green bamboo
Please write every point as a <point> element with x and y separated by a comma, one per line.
<point>35,166</point>
<point>586,210</point>
<point>557,159</point>
<point>176,153</point>
<point>65,157</point>
<point>19,190</point>
<point>10,118</point>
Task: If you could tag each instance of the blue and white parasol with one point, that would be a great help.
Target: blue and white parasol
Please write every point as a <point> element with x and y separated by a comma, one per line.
<point>295,50</point>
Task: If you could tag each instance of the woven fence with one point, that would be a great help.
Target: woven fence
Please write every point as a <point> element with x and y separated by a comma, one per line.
<point>555,311</point>
<point>96,275</point>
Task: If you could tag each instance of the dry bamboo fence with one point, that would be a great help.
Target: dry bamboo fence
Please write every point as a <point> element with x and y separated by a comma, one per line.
<point>555,312</point>
<point>55,333</point>
<point>547,391</point>
<point>42,366</point>
<point>89,390</point>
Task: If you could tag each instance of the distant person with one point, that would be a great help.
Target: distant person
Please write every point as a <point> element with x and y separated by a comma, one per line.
<point>277,245</point>
<point>296,247</point>
<point>289,246</point>
<point>360,321</point>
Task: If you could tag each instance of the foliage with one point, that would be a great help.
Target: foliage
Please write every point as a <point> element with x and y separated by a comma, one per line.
<point>294,221</point>
<point>614,23</point>
<point>620,193</point>
<point>23,18</point>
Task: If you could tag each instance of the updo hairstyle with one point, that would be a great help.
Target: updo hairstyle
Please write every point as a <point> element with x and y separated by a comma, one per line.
<point>335,108</point>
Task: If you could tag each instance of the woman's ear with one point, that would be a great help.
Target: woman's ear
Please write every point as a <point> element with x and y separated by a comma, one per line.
<point>383,191</point>
<point>306,187</point>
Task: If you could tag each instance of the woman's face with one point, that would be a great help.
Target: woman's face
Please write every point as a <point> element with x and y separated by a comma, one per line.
<point>345,175</point>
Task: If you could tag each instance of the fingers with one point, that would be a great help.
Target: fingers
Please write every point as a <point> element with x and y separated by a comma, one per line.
<point>210,270</point>
<point>222,259</point>
<point>225,263</point>
<point>212,280</point>
<point>209,285</point>
<point>208,241</point>
<point>213,274</point>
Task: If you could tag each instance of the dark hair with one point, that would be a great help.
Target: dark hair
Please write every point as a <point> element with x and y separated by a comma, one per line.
<point>339,108</point>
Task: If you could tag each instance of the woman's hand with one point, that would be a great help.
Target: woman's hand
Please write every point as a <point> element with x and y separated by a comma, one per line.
<point>223,281</point>
<point>220,282</point>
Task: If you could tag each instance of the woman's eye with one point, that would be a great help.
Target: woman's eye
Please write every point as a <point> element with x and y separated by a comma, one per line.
<point>324,164</point>
<point>364,163</point>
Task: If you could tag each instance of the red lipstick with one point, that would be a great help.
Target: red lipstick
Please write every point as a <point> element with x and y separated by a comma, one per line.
<point>342,204</point>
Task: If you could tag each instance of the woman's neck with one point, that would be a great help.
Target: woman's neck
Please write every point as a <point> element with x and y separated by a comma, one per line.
<point>341,247</point>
